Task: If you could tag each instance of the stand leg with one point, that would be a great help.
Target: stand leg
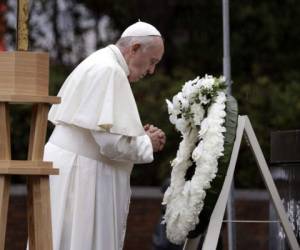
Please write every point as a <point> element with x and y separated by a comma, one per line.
<point>4,200</point>
<point>267,177</point>
<point>5,154</point>
<point>39,213</point>
<point>215,224</point>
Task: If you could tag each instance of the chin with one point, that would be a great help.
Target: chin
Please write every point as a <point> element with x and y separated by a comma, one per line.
<point>131,80</point>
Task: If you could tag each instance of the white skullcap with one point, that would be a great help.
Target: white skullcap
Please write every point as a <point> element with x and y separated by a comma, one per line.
<point>140,29</point>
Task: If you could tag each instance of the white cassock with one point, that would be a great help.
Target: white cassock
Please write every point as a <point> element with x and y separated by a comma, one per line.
<point>97,139</point>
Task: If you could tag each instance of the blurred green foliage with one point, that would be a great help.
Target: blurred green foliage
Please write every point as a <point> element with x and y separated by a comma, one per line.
<point>265,53</point>
<point>270,106</point>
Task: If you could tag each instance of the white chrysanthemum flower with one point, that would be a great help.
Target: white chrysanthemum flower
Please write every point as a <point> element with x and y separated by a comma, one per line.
<point>222,79</point>
<point>187,89</point>
<point>184,200</point>
<point>185,103</point>
<point>198,151</point>
<point>207,82</point>
<point>198,113</point>
<point>190,89</point>
<point>181,125</point>
<point>173,118</point>
<point>204,100</point>
<point>204,127</point>
<point>176,101</point>
<point>170,106</point>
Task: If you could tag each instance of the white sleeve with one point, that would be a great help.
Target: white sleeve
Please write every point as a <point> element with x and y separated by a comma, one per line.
<point>124,148</point>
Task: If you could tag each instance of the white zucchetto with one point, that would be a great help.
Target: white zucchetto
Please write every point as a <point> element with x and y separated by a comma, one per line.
<point>140,29</point>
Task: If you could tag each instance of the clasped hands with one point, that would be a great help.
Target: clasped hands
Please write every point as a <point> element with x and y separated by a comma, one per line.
<point>157,137</point>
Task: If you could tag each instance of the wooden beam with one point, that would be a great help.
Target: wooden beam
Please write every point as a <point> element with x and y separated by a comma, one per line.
<point>27,168</point>
<point>4,200</point>
<point>5,154</point>
<point>39,213</point>
<point>5,150</point>
<point>29,99</point>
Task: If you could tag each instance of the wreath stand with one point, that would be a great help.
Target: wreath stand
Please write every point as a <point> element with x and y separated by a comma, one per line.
<point>24,79</point>
<point>37,171</point>
<point>215,224</point>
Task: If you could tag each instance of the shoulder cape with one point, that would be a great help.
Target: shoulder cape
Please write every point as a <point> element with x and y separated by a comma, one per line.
<point>97,96</point>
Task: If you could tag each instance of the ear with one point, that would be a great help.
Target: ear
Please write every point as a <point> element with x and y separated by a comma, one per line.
<point>135,47</point>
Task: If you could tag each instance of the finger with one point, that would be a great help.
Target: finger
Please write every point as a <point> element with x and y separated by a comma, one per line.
<point>147,126</point>
<point>162,145</point>
<point>152,127</point>
<point>157,132</point>
<point>162,134</point>
<point>156,147</point>
<point>163,141</point>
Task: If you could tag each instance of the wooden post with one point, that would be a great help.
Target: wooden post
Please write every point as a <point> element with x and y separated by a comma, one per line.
<point>22,25</point>
<point>39,210</point>
<point>5,154</point>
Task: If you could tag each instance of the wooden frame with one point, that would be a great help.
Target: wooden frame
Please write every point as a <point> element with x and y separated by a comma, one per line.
<point>5,154</point>
<point>36,170</point>
<point>215,224</point>
<point>24,78</point>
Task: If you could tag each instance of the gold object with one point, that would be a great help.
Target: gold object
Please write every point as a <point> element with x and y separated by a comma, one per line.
<point>22,25</point>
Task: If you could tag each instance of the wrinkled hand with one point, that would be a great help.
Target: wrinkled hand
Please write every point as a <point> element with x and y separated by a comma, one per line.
<point>157,137</point>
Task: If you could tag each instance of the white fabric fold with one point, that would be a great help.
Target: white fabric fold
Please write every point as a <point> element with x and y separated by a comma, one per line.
<point>90,197</point>
<point>124,148</point>
<point>97,96</point>
<point>97,139</point>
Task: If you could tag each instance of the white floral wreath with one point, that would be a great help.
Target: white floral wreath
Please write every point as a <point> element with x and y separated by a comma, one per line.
<point>198,112</point>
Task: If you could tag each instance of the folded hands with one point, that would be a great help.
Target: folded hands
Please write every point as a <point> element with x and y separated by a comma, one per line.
<point>157,137</point>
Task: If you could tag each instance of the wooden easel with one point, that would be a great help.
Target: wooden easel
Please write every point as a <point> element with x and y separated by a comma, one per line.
<point>214,227</point>
<point>24,79</point>
<point>37,171</point>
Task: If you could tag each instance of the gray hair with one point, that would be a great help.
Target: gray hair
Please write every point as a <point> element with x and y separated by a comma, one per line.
<point>144,41</point>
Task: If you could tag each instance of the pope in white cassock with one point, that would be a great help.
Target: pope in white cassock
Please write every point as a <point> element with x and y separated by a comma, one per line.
<point>97,138</point>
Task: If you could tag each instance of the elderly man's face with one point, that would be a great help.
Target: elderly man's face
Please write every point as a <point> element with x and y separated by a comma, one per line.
<point>143,61</point>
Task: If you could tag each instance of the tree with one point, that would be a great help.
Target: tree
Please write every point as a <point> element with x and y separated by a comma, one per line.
<point>264,46</point>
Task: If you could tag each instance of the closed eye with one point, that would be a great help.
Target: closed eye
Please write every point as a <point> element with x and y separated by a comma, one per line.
<point>154,61</point>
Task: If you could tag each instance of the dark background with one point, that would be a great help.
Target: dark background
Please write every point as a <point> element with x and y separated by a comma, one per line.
<point>265,53</point>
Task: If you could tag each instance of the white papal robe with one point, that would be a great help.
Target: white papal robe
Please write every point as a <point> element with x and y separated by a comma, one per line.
<point>97,139</point>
